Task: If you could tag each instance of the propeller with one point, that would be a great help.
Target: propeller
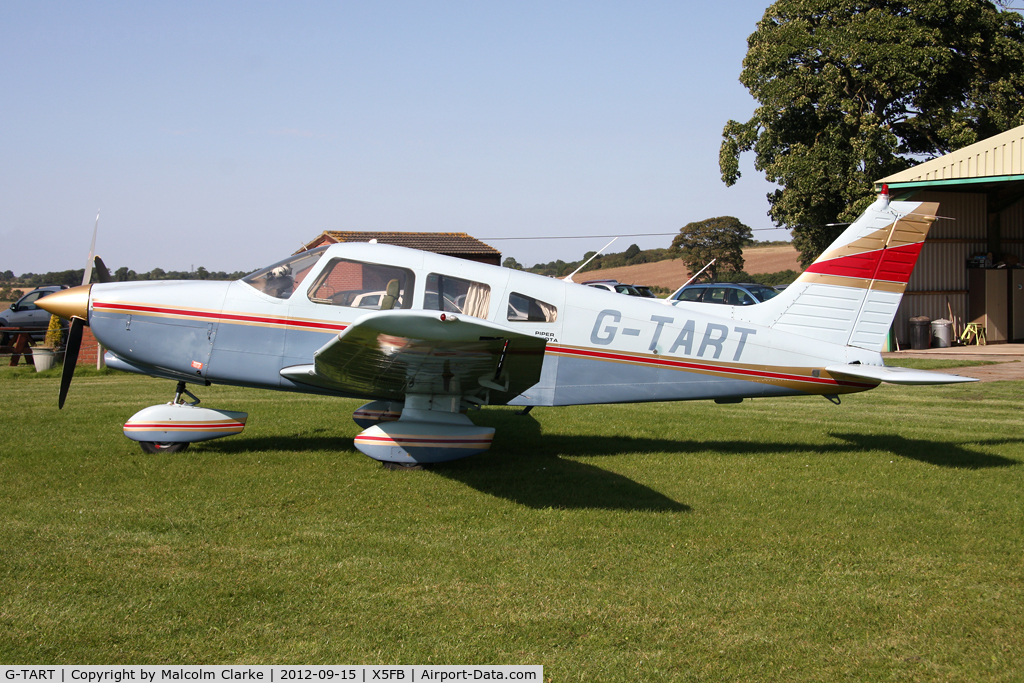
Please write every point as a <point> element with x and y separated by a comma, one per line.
<point>92,251</point>
<point>74,345</point>
<point>69,304</point>
<point>73,304</point>
<point>102,273</point>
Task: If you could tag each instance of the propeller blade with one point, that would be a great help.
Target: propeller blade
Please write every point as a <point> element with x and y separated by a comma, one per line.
<point>92,251</point>
<point>70,358</point>
<point>102,272</point>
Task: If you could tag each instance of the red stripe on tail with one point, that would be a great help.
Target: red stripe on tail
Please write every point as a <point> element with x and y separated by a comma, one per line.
<point>893,265</point>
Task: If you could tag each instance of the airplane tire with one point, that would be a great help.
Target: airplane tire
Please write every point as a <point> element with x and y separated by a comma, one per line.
<point>154,447</point>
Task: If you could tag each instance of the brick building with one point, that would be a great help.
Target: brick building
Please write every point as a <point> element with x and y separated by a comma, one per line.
<point>457,244</point>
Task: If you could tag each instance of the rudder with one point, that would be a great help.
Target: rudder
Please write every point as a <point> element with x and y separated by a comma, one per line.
<point>850,294</point>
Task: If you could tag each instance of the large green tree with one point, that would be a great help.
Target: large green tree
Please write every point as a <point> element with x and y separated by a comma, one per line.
<point>851,91</point>
<point>721,238</point>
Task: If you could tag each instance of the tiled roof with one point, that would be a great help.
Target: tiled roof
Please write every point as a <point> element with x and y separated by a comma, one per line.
<point>451,243</point>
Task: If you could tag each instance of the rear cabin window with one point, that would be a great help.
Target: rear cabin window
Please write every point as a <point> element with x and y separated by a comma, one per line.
<point>370,286</point>
<point>455,295</point>
<point>526,309</point>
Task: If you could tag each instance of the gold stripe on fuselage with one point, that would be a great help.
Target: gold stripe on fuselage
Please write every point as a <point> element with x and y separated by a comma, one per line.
<point>801,379</point>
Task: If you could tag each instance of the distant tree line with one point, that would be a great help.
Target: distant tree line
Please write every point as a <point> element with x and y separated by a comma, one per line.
<point>782,277</point>
<point>634,255</point>
<point>74,277</point>
<point>630,257</point>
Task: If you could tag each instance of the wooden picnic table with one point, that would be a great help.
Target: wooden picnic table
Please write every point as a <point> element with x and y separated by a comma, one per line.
<point>18,343</point>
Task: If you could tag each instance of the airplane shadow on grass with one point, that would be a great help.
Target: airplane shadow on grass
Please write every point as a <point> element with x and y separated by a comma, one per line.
<point>542,479</point>
<point>535,478</point>
<point>541,471</point>
<point>939,453</point>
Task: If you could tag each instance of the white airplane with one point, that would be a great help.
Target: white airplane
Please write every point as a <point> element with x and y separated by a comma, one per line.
<point>428,338</point>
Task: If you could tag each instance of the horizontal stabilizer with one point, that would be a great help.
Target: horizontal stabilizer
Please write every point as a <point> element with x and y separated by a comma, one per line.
<point>895,375</point>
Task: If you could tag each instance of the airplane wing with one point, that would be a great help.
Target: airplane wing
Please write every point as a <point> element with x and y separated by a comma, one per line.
<point>388,354</point>
<point>895,375</point>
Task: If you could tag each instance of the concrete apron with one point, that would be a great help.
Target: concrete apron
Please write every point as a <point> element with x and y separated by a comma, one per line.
<point>1009,359</point>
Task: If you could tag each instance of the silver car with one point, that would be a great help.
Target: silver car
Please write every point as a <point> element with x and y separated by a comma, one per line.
<point>25,314</point>
<point>727,293</point>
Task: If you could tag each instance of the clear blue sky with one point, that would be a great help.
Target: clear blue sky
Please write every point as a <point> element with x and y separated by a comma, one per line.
<point>227,134</point>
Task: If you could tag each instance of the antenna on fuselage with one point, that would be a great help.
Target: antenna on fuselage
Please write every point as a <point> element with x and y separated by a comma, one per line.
<point>568,278</point>
<point>673,294</point>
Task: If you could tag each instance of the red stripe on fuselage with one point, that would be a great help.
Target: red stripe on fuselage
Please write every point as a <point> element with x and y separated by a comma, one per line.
<point>170,426</point>
<point>218,316</point>
<point>740,372</point>
<point>436,441</point>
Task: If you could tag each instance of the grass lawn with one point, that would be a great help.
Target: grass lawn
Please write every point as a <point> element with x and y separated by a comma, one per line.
<point>774,539</point>
<point>936,363</point>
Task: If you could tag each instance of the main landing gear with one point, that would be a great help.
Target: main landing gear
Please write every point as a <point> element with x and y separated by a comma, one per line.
<point>422,430</point>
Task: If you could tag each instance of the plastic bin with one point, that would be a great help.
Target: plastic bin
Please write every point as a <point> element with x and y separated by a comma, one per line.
<point>920,333</point>
<point>942,334</point>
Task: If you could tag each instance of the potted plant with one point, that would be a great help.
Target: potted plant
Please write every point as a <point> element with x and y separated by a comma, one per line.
<point>43,356</point>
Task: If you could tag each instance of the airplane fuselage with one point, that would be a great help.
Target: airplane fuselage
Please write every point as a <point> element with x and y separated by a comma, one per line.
<point>428,338</point>
<point>601,347</point>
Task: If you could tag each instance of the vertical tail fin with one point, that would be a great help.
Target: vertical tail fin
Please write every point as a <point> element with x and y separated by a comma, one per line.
<point>850,294</point>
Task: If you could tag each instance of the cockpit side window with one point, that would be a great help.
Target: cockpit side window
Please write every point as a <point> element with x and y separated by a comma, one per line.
<point>523,308</point>
<point>280,279</point>
<point>370,286</point>
<point>455,295</point>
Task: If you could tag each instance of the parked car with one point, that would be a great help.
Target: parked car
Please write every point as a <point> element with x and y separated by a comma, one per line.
<point>25,314</point>
<point>726,293</point>
<point>614,286</point>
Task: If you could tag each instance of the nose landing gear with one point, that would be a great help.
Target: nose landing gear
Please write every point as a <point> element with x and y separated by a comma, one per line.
<point>171,427</point>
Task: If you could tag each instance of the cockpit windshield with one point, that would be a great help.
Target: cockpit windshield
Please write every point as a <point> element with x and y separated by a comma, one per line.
<point>280,279</point>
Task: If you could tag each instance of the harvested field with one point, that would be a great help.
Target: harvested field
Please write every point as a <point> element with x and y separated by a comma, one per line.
<point>771,259</point>
<point>674,273</point>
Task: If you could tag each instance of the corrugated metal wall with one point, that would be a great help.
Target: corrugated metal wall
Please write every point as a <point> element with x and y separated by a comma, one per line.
<point>939,281</point>
<point>1012,228</point>
<point>932,305</point>
<point>962,215</point>
<point>940,267</point>
<point>1013,221</point>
